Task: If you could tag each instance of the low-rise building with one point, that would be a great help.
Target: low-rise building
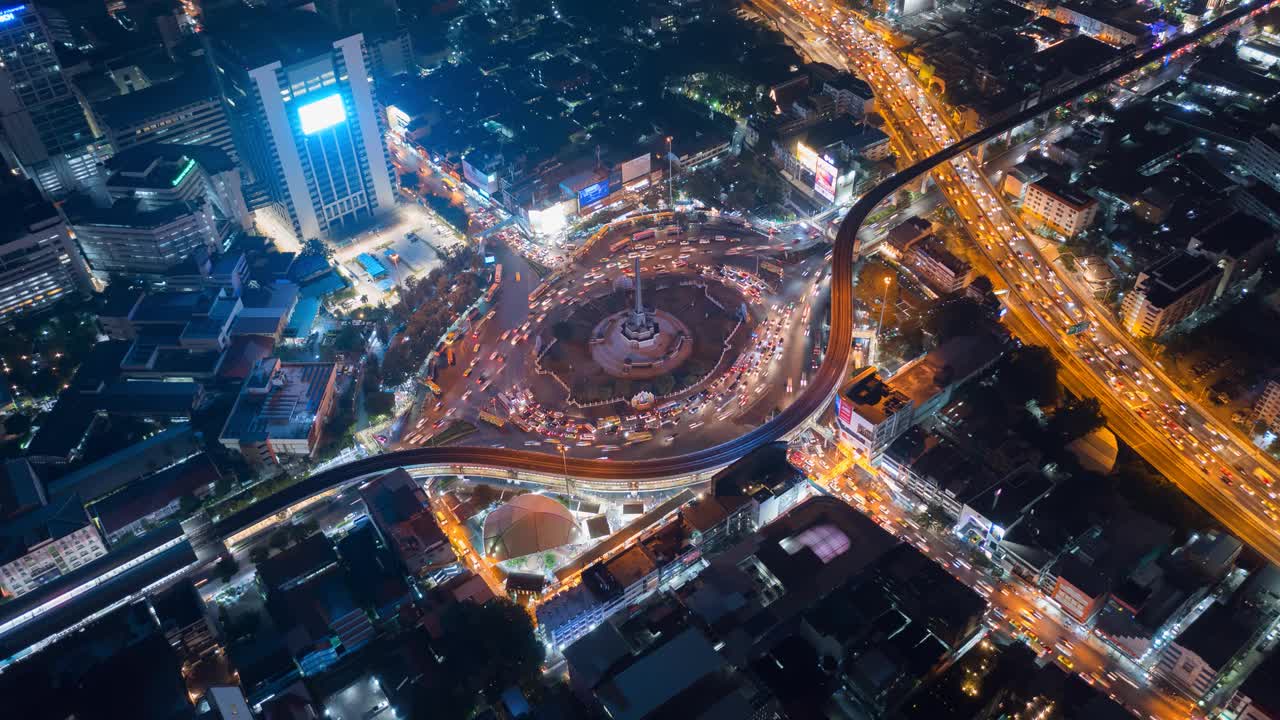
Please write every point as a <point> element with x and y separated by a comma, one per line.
<point>400,511</point>
<point>1267,408</point>
<point>1262,157</point>
<point>1167,292</point>
<point>937,266</point>
<point>1238,244</point>
<point>872,412</point>
<point>1062,208</point>
<point>281,410</point>
<point>46,543</point>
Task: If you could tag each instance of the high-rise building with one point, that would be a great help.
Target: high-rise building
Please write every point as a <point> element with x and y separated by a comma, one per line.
<point>39,263</point>
<point>185,111</point>
<point>43,127</point>
<point>165,202</point>
<point>305,118</point>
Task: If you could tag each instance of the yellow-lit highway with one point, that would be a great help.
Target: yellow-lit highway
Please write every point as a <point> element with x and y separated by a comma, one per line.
<point>1218,469</point>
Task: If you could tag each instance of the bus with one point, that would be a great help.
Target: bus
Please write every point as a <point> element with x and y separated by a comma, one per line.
<point>497,274</point>
<point>619,245</point>
<point>537,293</point>
<point>492,419</point>
<point>633,437</point>
<point>434,388</point>
<point>644,235</point>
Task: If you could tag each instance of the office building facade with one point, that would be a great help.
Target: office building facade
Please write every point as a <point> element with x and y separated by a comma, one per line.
<point>39,263</point>
<point>307,123</point>
<point>1167,292</point>
<point>44,130</point>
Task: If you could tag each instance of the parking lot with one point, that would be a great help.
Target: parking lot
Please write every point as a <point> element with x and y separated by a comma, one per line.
<point>413,257</point>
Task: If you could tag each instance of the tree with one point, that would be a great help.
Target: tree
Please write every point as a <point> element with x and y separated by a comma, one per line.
<point>351,338</point>
<point>188,504</point>
<point>956,317</point>
<point>222,486</point>
<point>259,554</point>
<point>280,539</point>
<point>562,331</point>
<point>379,403</point>
<point>227,568</point>
<point>316,247</point>
<point>488,648</point>
<point>1030,373</point>
<point>663,384</point>
<point>1076,418</point>
<point>17,424</point>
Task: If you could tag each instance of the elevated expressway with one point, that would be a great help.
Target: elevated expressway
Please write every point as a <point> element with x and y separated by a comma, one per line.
<point>559,470</point>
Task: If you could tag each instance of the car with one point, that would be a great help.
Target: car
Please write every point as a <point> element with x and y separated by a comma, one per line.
<point>382,439</point>
<point>475,348</point>
<point>493,355</point>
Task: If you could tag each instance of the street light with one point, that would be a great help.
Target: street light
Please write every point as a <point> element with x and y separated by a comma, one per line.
<point>564,457</point>
<point>670,193</point>
<point>883,302</point>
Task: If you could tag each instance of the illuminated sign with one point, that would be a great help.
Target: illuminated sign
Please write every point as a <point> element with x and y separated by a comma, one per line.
<point>10,14</point>
<point>824,178</point>
<point>807,157</point>
<point>549,221</point>
<point>593,193</point>
<point>191,165</point>
<point>844,411</point>
<point>322,114</point>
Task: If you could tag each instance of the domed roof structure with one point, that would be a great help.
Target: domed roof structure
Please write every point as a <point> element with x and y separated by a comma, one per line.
<point>528,524</point>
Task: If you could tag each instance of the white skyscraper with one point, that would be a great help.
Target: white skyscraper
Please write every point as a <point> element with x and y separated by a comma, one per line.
<point>306,119</point>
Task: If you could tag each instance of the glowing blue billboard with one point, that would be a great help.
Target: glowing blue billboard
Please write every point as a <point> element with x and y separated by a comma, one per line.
<point>322,114</point>
<point>593,193</point>
<point>10,14</point>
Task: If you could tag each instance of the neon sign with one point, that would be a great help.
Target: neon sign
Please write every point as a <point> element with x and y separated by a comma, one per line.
<point>11,14</point>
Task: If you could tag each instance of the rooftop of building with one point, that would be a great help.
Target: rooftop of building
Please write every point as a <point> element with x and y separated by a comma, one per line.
<point>259,36</point>
<point>59,518</point>
<point>143,497</point>
<point>279,400</point>
<point>660,676</point>
<point>158,451</point>
<point>842,130</point>
<point>1235,235</point>
<point>874,399</point>
<point>1175,275</point>
<point>127,213</point>
<point>937,250</point>
<point>20,488</point>
<point>1217,635</point>
<point>955,360</point>
<point>764,470</point>
<point>294,564</point>
<point>157,100</point>
<point>1065,192</point>
<point>24,207</point>
<point>1261,686</point>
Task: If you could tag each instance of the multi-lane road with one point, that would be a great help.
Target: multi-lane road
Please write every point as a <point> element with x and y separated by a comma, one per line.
<point>1218,469</point>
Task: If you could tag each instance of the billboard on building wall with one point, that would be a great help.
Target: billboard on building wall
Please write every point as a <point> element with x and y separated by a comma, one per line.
<point>322,114</point>
<point>824,178</point>
<point>806,156</point>
<point>636,167</point>
<point>844,412</point>
<point>593,193</point>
